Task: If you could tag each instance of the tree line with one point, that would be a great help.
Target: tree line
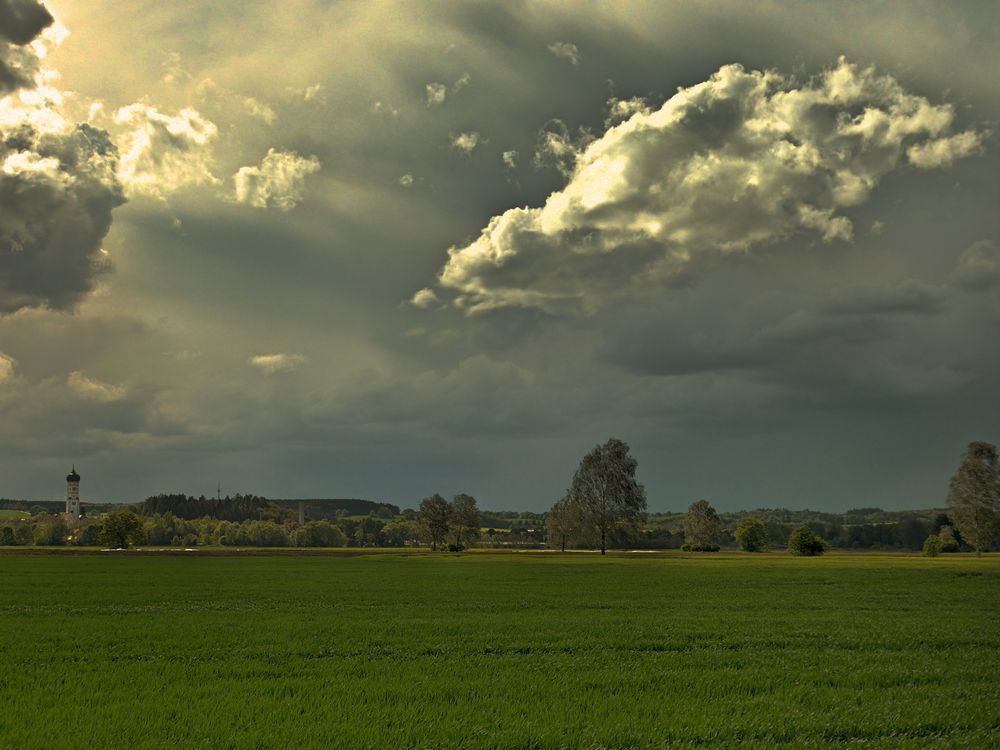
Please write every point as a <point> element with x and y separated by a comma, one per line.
<point>899,531</point>
<point>127,529</point>
<point>237,508</point>
<point>604,507</point>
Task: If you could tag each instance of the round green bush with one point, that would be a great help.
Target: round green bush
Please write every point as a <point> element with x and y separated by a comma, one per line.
<point>805,543</point>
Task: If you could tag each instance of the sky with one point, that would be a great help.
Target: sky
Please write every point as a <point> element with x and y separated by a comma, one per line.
<point>387,249</point>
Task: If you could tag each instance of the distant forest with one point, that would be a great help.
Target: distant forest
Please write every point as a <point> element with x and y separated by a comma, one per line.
<point>253,507</point>
<point>254,520</point>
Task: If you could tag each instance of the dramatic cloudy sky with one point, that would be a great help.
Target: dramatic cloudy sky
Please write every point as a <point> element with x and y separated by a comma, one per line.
<point>384,249</point>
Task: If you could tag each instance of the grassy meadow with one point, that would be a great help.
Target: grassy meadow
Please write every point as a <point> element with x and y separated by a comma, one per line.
<point>499,651</point>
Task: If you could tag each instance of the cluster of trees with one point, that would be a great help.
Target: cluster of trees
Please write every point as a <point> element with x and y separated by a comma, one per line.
<point>606,505</point>
<point>456,522</point>
<point>126,529</point>
<point>904,532</point>
<point>703,533</point>
<point>461,529</point>
<point>51,531</point>
<point>22,534</point>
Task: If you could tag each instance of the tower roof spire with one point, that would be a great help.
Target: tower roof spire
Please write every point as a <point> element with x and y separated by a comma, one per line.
<point>73,476</point>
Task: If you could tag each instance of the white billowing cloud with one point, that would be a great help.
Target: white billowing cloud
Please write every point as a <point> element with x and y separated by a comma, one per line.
<point>424,298</point>
<point>163,153</point>
<point>278,182</point>
<point>566,51</point>
<point>406,180</point>
<point>436,93</point>
<point>742,159</point>
<point>7,367</point>
<point>509,158</point>
<point>270,364</point>
<point>941,152</point>
<point>622,109</point>
<point>978,266</point>
<point>556,147</point>
<point>466,142</point>
<point>92,389</point>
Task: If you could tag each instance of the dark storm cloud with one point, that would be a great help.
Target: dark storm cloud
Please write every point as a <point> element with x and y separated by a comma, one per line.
<point>908,296</point>
<point>57,184</point>
<point>20,22</point>
<point>57,191</point>
<point>83,385</point>
<point>109,415</point>
<point>761,341</point>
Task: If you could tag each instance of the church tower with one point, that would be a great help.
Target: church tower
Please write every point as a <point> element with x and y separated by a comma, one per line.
<point>72,496</point>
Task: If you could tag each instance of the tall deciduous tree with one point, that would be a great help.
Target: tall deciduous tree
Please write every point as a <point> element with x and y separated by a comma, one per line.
<point>702,526</point>
<point>563,522</point>
<point>464,520</point>
<point>433,518</point>
<point>605,491</point>
<point>974,495</point>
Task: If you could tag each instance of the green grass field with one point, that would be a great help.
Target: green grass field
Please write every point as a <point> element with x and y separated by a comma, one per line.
<point>14,515</point>
<point>499,651</point>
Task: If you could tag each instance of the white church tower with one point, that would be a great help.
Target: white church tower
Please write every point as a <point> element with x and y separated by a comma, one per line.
<point>72,496</point>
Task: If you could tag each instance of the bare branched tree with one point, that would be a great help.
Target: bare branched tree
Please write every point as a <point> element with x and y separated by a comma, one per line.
<point>464,520</point>
<point>563,523</point>
<point>433,517</point>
